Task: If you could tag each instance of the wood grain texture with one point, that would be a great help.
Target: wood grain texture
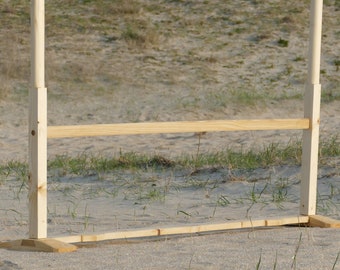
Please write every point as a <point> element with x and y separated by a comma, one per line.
<point>39,245</point>
<point>37,136</point>
<point>175,127</point>
<point>323,222</point>
<point>312,99</point>
<point>190,229</point>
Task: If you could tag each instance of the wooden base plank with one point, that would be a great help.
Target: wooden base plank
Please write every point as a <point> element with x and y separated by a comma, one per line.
<point>175,127</point>
<point>62,244</point>
<point>69,239</point>
<point>120,235</point>
<point>43,245</point>
<point>287,221</point>
<point>323,222</point>
<point>182,230</point>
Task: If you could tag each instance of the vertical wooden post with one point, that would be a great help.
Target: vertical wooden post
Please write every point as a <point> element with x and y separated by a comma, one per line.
<point>310,144</point>
<point>37,126</point>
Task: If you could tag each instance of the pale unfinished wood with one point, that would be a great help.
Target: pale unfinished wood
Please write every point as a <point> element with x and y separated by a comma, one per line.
<point>38,132</point>
<point>62,244</point>
<point>323,222</point>
<point>38,165</point>
<point>310,137</point>
<point>41,245</point>
<point>175,127</point>
<point>287,221</point>
<point>310,148</point>
<point>69,239</point>
<point>200,228</point>
<point>254,223</point>
<point>37,126</point>
<point>190,229</point>
<point>120,235</point>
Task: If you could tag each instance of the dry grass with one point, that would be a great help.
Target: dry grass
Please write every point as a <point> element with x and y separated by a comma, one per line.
<point>213,52</point>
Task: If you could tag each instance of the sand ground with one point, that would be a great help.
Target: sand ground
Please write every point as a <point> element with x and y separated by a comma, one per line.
<point>206,63</point>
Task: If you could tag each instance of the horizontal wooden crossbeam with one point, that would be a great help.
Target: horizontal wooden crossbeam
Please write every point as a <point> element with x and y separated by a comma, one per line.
<point>175,127</point>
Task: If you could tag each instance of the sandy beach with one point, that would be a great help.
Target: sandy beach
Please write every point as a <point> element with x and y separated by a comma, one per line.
<point>140,61</point>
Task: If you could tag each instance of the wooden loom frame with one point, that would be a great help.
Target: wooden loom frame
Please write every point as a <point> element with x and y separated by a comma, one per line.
<point>39,132</point>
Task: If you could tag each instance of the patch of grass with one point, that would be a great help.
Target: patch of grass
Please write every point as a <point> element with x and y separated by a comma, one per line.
<point>298,59</point>
<point>153,194</point>
<point>336,260</point>
<point>85,164</point>
<point>328,203</point>
<point>131,34</point>
<point>255,194</point>
<point>216,100</point>
<point>223,200</point>
<point>337,64</point>
<point>237,30</point>
<point>330,148</point>
<point>113,32</point>
<point>246,97</point>
<point>288,96</point>
<point>280,192</point>
<point>140,35</point>
<point>274,154</point>
<point>330,95</point>
<point>293,266</point>
<point>282,42</point>
<point>16,169</point>
<point>258,265</point>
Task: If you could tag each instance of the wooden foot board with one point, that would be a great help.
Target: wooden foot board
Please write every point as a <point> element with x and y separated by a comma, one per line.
<point>190,229</point>
<point>63,244</point>
<point>313,221</point>
<point>44,245</point>
<point>323,222</point>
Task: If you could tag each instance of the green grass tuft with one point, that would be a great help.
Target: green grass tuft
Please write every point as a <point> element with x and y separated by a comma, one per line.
<point>87,164</point>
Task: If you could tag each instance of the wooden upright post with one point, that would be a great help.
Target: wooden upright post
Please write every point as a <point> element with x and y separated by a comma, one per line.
<point>37,126</point>
<point>310,144</point>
